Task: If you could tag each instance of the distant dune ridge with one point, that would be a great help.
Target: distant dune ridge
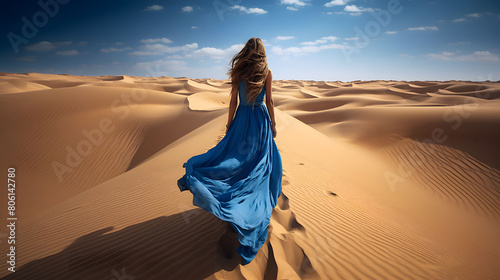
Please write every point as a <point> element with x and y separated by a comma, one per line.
<point>382,179</point>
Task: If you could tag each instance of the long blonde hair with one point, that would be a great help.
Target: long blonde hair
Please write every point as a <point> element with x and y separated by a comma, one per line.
<point>250,65</point>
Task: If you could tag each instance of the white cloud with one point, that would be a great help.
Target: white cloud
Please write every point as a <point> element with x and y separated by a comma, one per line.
<point>187,9</point>
<point>422,28</point>
<point>41,46</point>
<point>246,10</point>
<point>153,8</point>
<point>209,51</point>
<point>406,55</point>
<point>353,10</point>
<point>175,56</point>
<point>194,27</point>
<point>459,20</point>
<point>440,56</point>
<point>167,66</point>
<point>294,2</point>
<point>158,49</point>
<point>476,15</point>
<point>480,56</point>
<point>391,32</point>
<point>186,51</point>
<point>320,41</point>
<point>337,3</point>
<point>351,38</point>
<point>306,49</point>
<point>46,46</point>
<point>309,47</point>
<point>68,52</point>
<point>115,49</point>
<point>156,40</point>
<point>179,68</point>
<point>216,53</point>
<point>476,56</point>
<point>282,38</point>
<point>294,5</point>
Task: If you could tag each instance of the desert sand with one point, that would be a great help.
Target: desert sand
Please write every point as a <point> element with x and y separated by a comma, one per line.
<point>381,179</point>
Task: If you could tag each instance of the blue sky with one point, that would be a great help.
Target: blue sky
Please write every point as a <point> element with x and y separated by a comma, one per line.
<point>305,39</point>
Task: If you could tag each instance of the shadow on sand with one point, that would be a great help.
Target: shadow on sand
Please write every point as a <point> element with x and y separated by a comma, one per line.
<point>190,245</point>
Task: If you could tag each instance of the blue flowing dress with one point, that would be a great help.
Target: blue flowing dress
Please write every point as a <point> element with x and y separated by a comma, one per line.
<point>239,179</point>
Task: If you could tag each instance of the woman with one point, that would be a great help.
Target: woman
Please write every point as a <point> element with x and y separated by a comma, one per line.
<point>239,180</point>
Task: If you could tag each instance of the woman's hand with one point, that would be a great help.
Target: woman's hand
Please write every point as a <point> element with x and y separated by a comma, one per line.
<point>274,130</point>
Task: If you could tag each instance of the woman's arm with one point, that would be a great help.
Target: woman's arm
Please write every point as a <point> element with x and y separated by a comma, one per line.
<point>270,101</point>
<point>232,104</point>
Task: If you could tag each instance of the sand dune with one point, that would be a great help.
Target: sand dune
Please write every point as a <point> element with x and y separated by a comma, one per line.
<point>208,101</point>
<point>382,179</point>
<point>14,85</point>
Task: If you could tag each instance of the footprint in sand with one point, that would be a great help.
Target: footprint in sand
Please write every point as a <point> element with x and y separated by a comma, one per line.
<point>283,229</point>
<point>330,193</point>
